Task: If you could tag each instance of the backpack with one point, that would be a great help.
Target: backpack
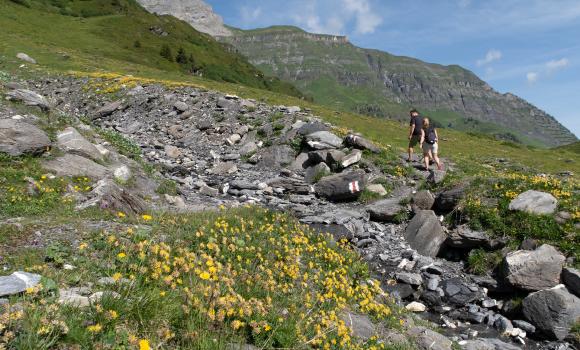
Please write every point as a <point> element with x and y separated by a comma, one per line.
<point>430,136</point>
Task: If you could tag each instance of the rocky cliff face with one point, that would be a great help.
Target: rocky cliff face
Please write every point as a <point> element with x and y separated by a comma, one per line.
<point>195,12</point>
<point>336,72</point>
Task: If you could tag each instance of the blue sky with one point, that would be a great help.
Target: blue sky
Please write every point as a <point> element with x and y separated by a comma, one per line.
<point>527,47</point>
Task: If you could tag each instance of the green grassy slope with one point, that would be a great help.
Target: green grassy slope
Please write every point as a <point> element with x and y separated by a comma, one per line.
<point>338,74</point>
<point>116,36</point>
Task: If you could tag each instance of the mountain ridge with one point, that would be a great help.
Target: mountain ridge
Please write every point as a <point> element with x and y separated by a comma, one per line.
<point>382,81</point>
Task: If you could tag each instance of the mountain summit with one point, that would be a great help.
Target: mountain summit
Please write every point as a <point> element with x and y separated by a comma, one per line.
<point>195,12</point>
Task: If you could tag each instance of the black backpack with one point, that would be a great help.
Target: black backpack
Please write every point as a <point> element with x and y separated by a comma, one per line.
<point>430,136</point>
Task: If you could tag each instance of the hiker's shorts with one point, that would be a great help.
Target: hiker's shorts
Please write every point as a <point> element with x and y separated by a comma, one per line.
<point>433,148</point>
<point>414,141</point>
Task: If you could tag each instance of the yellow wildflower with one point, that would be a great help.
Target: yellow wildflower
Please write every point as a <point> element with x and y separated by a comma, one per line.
<point>146,217</point>
<point>94,328</point>
<point>204,275</point>
<point>144,344</point>
<point>121,255</point>
<point>121,214</point>
<point>117,276</point>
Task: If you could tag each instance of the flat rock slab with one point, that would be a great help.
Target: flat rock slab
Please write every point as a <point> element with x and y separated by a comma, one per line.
<point>108,109</point>
<point>29,98</point>
<point>323,140</point>
<point>425,234</point>
<point>360,142</point>
<point>18,138</point>
<point>74,165</point>
<point>533,270</point>
<point>487,344</point>
<point>71,141</point>
<point>385,210</point>
<point>426,339</point>
<point>535,202</point>
<point>361,325</point>
<point>18,282</point>
<point>553,311</point>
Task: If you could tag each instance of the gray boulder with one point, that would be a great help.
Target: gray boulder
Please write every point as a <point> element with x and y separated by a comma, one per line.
<point>18,282</point>
<point>18,138</point>
<point>377,189</point>
<point>181,106</point>
<point>24,57</point>
<point>425,234</point>
<point>426,339</point>
<point>488,344</point>
<point>300,163</point>
<point>535,202</point>
<point>29,98</point>
<point>466,238</point>
<point>315,173</point>
<point>310,128</point>
<point>248,148</point>
<point>350,159</point>
<point>423,200</point>
<point>74,165</point>
<point>224,168</point>
<point>276,156</point>
<point>457,292</point>
<point>447,201</point>
<point>108,195</point>
<point>108,109</point>
<point>553,311</point>
<point>323,140</point>
<point>571,278</point>
<point>533,270</point>
<point>342,187</point>
<point>361,325</point>
<point>385,210</point>
<point>361,143</point>
<point>71,141</point>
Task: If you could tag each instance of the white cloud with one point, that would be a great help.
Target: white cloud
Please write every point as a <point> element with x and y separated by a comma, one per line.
<point>554,65</point>
<point>250,15</point>
<point>463,3</point>
<point>366,19</point>
<point>532,77</point>
<point>491,56</point>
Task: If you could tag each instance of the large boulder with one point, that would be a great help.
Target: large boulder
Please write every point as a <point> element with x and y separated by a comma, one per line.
<point>18,138</point>
<point>17,283</point>
<point>533,270</point>
<point>571,278</point>
<point>423,200</point>
<point>29,98</point>
<point>535,202</point>
<point>361,143</point>
<point>361,325</point>
<point>425,234</point>
<point>465,238</point>
<point>426,339</point>
<point>316,172</point>
<point>276,156</point>
<point>108,109</point>
<point>385,210</point>
<point>108,195</point>
<point>553,311</point>
<point>74,165</point>
<point>71,141</point>
<point>487,344</point>
<point>457,292</point>
<point>448,200</point>
<point>342,187</point>
<point>323,140</point>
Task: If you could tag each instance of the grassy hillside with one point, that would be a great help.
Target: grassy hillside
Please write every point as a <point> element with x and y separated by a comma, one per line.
<point>114,35</point>
<point>341,75</point>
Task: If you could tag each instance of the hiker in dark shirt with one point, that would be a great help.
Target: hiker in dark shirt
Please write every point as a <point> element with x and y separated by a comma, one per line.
<point>414,131</point>
<point>430,144</point>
